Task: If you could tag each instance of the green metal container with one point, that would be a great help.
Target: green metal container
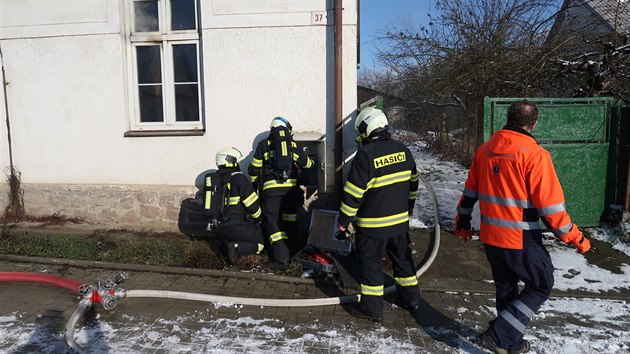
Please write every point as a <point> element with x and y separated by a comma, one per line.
<point>581,136</point>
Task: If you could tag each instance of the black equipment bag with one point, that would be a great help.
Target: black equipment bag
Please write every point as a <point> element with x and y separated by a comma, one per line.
<point>282,157</point>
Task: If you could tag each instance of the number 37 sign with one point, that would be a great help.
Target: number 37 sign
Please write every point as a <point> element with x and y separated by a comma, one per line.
<point>319,18</point>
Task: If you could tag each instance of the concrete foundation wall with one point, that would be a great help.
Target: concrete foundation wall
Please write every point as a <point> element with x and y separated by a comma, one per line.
<point>114,206</point>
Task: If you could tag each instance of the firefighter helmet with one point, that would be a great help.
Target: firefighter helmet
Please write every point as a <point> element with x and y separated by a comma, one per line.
<point>281,122</point>
<point>228,157</point>
<point>370,120</point>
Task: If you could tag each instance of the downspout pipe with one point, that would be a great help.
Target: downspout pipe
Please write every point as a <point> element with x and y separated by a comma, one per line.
<point>338,146</point>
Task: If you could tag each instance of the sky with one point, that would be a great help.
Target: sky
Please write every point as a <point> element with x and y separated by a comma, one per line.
<point>379,15</point>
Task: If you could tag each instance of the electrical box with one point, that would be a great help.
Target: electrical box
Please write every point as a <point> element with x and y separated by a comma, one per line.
<point>320,176</point>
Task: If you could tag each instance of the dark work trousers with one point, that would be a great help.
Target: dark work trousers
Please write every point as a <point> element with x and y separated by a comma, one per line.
<point>279,209</point>
<point>370,252</point>
<point>248,235</point>
<point>531,265</point>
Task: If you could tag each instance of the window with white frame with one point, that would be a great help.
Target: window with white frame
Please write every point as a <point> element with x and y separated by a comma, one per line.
<point>164,42</point>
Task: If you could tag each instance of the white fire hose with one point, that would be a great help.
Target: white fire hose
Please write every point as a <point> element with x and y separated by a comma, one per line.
<point>434,246</point>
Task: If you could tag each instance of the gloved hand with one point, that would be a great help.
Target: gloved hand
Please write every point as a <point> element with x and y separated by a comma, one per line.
<point>345,232</point>
<point>581,243</point>
<point>463,228</point>
<point>340,235</point>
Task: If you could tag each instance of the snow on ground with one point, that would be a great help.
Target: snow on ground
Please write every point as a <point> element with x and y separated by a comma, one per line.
<point>593,325</point>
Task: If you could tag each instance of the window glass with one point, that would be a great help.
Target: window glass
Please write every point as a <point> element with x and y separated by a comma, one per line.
<point>185,62</point>
<point>149,64</point>
<point>150,83</point>
<point>186,102</point>
<point>146,16</point>
<point>183,15</point>
<point>151,103</point>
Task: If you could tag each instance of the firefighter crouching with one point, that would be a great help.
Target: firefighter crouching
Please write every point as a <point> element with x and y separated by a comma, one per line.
<point>239,228</point>
<point>273,170</point>
<point>514,180</point>
<point>379,195</point>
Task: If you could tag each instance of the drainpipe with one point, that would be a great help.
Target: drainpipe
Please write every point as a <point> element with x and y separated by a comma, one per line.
<point>338,147</point>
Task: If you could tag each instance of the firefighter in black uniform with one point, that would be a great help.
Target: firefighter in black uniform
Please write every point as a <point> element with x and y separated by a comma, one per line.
<point>379,195</point>
<point>239,229</point>
<point>281,195</point>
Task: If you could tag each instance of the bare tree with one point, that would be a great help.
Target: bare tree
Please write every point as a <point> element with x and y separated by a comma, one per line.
<point>596,59</point>
<point>473,49</point>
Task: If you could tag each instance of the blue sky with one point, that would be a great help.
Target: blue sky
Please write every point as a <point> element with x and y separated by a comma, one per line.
<point>378,15</point>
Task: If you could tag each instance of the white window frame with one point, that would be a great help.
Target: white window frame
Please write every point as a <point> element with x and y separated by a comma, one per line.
<point>165,39</point>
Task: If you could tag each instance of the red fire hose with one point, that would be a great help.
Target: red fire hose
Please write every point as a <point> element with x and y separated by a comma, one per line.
<point>43,278</point>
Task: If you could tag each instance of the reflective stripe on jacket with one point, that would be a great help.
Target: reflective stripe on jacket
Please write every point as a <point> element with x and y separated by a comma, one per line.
<point>381,189</point>
<point>242,197</point>
<point>515,182</point>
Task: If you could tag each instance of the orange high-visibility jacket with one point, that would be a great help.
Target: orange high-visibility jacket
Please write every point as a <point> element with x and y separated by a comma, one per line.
<point>514,180</point>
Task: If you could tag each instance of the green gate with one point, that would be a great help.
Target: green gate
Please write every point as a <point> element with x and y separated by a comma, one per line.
<point>577,133</point>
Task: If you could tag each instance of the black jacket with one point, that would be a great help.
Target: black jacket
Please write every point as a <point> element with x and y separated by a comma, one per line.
<point>259,167</point>
<point>243,200</point>
<point>381,188</point>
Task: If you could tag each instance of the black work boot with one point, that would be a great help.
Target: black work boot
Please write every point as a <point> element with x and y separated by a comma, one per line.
<point>486,340</point>
<point>355,310</point>
<point>523,348</point>
<point>278,265</point>
<point>408,298</point>
<point>232,252</point>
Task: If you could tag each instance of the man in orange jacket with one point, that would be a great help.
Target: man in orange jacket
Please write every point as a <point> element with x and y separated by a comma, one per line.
<point>514,180</point>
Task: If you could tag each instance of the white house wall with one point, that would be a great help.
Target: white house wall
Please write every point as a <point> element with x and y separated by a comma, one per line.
<point>69,101</point>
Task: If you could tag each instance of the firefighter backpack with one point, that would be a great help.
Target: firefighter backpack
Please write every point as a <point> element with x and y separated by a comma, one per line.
<point>282,157</point>
<point>215,198</point>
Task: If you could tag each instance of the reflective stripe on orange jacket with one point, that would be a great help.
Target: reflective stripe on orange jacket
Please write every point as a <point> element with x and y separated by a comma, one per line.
<point>514,180</point>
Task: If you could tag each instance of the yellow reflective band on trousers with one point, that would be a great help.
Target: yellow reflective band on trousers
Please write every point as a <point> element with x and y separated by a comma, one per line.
<point>234,200</point>
<point>280,235</point>
<point>350,211</point>
<point>409,281</point>
<point>256,215</point>
<point>250,200</point>
<point>289,217</point>
<point>389,179</point>
<point>372,290</point>
<point>353,190</point>
<point>292,182</point>
<point>253,178</point>
<point>383,221</point>
<point>261,247</point>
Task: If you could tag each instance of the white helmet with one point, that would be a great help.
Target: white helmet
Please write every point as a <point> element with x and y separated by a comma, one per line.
<point>369,120</point>
<point>281,122</point>
<point>228,157</point>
